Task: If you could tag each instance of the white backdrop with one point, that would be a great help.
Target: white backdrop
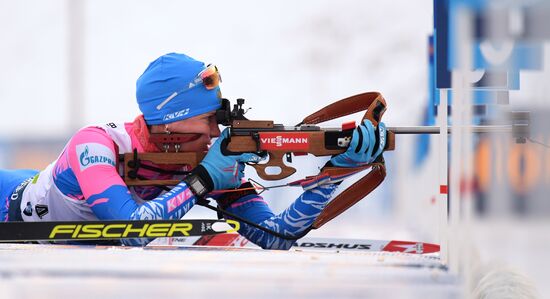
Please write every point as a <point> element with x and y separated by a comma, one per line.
<point>282,56</point>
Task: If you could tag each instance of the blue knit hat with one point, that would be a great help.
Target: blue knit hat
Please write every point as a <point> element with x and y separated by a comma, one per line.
<point>162,90</point>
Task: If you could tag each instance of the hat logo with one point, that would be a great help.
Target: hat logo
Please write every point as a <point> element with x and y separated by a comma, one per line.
<point>176,114</point>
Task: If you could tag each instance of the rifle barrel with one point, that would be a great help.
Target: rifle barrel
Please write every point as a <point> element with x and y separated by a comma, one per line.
<point>436,129</point>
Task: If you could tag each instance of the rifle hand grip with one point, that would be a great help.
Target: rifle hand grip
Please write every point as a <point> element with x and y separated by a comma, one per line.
<point>376,110</point>
<point>374,113</point>
<point>275,160</point>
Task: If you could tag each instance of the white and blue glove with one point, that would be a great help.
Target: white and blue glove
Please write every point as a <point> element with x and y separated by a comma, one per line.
<point>367,143</point>
<point>226,171</point>
<point>218,171</point>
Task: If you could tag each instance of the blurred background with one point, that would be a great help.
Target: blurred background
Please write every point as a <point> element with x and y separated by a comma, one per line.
<point>66,64</point>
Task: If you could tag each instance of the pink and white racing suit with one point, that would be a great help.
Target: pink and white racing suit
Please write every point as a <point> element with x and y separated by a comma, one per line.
<point>84,183</point>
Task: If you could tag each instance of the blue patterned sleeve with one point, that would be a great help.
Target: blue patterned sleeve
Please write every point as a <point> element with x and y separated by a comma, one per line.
<point>117,203</point>
<point>293,221</point>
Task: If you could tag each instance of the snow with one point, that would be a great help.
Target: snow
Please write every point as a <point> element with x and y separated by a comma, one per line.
<point>29,271</point>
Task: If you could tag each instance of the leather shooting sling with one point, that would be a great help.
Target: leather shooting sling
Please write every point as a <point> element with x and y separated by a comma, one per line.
<point>375,106</point>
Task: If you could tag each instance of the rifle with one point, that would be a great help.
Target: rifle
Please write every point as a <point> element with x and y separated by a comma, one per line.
<point>280,142</point>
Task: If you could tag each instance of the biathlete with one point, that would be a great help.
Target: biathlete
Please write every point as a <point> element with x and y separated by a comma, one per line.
<point>177,94</point>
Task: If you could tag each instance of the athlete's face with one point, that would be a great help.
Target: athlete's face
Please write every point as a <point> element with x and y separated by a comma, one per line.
<point>204,126</point>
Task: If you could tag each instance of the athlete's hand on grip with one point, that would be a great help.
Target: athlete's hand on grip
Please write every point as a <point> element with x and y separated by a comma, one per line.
<point>367,143</point>
<point>221,171</point>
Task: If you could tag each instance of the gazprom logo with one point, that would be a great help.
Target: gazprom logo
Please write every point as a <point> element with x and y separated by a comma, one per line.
<point>92,154</point>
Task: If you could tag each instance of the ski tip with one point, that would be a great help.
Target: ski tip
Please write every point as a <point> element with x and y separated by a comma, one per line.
<point>411,247</point>
<point>227,226</point>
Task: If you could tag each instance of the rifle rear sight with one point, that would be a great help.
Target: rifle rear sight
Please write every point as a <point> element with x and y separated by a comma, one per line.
<point>225,115</point>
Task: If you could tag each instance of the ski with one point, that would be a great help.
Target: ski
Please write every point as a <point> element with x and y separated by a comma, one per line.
<point>367,245</point>
<point>109,230</point>
<point>197,232</point>
<point>233,240</point>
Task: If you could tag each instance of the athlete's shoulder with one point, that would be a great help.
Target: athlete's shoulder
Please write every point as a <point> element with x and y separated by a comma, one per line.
<point>91,146</point>
<point>91,134</point>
